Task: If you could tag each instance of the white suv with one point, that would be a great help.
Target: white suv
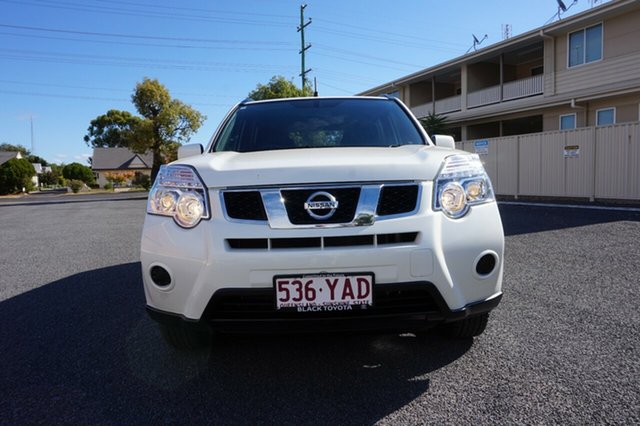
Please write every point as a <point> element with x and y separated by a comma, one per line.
<point>316,214</point>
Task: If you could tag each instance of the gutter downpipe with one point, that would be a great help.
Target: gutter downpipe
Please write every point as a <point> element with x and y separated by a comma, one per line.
<point>594,140</point>
<point>552,58</point>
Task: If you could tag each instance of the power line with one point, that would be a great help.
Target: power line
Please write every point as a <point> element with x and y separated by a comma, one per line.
<point>129,12</point>
<point>91,98</point>
<point>192,9</point>
<point>127,61</point>
<point>107,89</point>
<point>145,37</point>
<point>167,46</point>
<point>378,31</point>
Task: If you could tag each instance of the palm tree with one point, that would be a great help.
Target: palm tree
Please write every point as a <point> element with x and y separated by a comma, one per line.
<point>434,124</point>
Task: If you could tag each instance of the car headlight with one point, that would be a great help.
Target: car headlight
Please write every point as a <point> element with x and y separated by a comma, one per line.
<point>180,193</point>
<point>461,183</point>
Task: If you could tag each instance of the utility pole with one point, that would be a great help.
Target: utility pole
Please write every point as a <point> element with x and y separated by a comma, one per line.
<point>303,47</point>
<point>33,143</point>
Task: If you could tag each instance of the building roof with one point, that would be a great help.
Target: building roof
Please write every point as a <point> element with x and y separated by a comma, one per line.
<point>38,167</point>
<point>120,159</point>
<point>610,8</point>
<point>8,155</point>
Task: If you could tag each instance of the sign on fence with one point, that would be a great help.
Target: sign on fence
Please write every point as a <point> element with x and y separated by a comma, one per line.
<point>481,147</point>
<point>572,151</point>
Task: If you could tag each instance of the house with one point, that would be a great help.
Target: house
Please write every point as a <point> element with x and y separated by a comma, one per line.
<point>9,155</point>
<point>576,72</point>
<point>110,162</point>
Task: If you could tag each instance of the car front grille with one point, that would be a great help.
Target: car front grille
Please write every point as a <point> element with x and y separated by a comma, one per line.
<point>397,199</point>
<point>295,199</point>
<point>244,205</point>
<point>394,199</point>
<point>260,304</point>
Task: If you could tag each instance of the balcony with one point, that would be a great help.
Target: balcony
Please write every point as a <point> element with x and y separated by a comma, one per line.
<point>508,91</point>
<point>451,104</point>
<point>523,88</point>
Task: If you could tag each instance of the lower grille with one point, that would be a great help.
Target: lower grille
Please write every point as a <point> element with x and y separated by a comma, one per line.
<point>321,242</point>
<point>257,304</point>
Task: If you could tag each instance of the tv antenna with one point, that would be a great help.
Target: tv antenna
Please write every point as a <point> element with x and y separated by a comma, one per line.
<point>562,8</point>
<point>506,31</point>
<point>476,42</point>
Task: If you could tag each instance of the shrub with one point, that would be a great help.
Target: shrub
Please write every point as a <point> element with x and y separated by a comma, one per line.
<point>78,172</point>
<point>76,185</point>
<point>108,186</point>
<point>16,174</point>
<point>142,180</point>
<point>94,185</point>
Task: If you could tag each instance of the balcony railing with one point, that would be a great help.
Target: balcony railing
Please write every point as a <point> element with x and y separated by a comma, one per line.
<point>451,104</point>
<point>523,88</point>
<point>490,95</point>
<point>422,110</point>
<point>511,90</point>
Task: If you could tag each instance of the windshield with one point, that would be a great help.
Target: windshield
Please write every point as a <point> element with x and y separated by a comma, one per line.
<point>317,123</point>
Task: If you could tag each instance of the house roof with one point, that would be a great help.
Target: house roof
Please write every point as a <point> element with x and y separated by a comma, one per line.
<point>8,155</point>
<point>38,167</point>
<point>120,159</point>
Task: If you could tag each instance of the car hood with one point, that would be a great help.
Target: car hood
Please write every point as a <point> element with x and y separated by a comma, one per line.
<point>318,165</point>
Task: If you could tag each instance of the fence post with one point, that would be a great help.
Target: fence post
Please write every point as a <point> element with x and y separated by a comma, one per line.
<point>517,167</point>
<point>595,164</point>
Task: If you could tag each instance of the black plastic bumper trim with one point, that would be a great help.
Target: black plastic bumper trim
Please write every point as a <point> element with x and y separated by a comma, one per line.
<point>408,321</point>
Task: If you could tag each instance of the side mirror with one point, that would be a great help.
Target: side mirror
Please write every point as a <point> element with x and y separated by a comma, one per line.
<point>445,141</point>
<point>190,150</point>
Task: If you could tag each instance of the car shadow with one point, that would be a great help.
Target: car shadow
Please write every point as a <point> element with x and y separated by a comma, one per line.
<point>81,350</point>
<point>527,219</point>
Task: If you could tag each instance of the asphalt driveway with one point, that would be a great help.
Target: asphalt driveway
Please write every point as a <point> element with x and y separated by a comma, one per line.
<point>77,347</point>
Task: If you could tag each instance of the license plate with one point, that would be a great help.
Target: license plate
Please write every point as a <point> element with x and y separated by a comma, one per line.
<point>324,292</point>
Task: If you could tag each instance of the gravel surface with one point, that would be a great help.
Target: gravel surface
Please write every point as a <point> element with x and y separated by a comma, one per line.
<point>77,347</point>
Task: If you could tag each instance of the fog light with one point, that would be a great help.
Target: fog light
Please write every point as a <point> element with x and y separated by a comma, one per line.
<point>160,276</point>
<point>486,264</point>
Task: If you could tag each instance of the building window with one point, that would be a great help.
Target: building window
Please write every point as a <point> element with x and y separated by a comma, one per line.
<point>585,45</point>
<point>395,94</point>
<point>605,117</point>
<point>567,122</point>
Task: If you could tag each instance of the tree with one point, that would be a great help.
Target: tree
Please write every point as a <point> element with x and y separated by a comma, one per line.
<point>111,130</point>
<point>278,87</point>
<point>434,124</point>
<point>16,174</point>
<point>164,124</point>
<point>14,148</point>
<point>77,171</point>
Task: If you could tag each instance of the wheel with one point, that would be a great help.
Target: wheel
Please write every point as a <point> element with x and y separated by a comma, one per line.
<point>468,327</point>
<point>186,338</point>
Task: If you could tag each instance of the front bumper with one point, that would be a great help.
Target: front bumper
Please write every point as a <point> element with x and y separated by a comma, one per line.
<point>253,311</point>
<point>201,262</point>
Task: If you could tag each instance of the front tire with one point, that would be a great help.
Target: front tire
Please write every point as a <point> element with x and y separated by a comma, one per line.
<point>186,338</point>
<point>466,328</point>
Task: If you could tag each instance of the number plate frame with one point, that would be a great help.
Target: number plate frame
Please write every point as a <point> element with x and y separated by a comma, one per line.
<point>323,290</point>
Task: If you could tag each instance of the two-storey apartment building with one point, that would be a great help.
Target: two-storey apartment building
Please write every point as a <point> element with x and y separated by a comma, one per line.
<point>580,71</point>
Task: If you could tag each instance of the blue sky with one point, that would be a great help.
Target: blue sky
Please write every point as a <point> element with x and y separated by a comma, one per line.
<point>65,62</point>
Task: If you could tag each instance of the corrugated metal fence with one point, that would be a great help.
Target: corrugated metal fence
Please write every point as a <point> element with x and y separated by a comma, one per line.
<point>589,162</point>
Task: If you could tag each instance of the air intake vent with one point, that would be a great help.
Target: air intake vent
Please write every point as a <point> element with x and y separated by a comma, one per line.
<point>244,205</point>
<point>397,199</point>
